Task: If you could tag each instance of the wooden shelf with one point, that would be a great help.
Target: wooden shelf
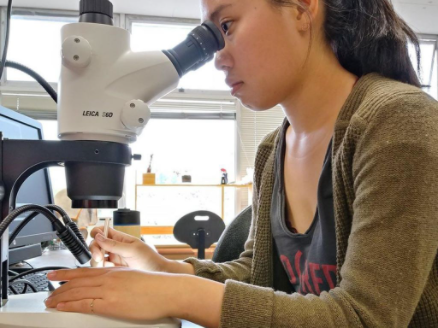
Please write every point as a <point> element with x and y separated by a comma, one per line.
<point>167,230</point>
<point>156,230</point>
<point>196,185</point>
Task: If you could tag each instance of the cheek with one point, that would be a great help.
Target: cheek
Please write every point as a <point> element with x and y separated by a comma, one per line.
<point>269,76</point>
<point>272,67</point>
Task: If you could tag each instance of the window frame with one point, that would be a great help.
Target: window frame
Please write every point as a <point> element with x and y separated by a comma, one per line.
<point>432,39</point>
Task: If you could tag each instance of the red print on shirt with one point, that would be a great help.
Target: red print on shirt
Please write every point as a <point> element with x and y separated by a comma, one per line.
<point>311,277</point>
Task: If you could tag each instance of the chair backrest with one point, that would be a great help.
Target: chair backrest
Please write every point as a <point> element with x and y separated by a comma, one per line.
<point>231,243</point>
<point>199,229</point>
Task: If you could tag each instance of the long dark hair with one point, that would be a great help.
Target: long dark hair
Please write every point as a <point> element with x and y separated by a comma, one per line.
<point>368,36</point>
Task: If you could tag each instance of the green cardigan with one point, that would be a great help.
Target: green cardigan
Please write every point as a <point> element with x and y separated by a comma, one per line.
<point>385,190</point>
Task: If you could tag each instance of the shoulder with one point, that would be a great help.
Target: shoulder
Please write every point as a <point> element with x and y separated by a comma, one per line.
<point>384,99</point>
<point>393,123</point>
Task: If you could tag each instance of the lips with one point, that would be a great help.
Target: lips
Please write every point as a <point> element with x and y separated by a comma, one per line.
<point>236,87</point>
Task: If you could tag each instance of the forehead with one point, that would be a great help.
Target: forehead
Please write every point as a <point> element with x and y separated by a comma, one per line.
<point>210,8</point>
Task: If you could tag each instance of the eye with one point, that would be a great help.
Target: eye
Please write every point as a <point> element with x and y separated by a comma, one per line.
<point>225,26</point>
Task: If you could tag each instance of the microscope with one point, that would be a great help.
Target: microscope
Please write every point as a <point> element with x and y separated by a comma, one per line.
<point>105,92</point>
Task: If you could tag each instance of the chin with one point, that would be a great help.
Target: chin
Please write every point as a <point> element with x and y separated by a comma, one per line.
<point>257,106</point>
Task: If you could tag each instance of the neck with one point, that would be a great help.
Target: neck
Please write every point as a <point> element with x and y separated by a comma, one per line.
<point>315,103</point>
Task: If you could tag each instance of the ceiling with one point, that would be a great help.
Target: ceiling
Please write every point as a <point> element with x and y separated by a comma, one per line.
<point>422,15</point>
<point>166,8</point>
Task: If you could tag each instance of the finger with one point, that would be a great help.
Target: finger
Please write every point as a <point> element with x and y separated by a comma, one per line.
<point>124,249</point>
<point>96,251</point>
<point>89,306</point>
<point>108,264</point>
<point>78,283</point>
<point>75,294</point>
<point>113,234</point>
<point>95,231</point>
<point>66,275</point>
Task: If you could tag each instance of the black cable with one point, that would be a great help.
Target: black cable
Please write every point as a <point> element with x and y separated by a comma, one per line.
<point>24,289</point>
<point>21,275</point>
<point>27,208</point>
<point>61,212</point>
<point>21,226</point>
<point>23,223</point>
<point>13,290</point>
<point>31,266</point>
<point>26,283</point>
<point>36,76</point>
<point>68,222</point>
<point>74,243</point>
<point>6,45</point>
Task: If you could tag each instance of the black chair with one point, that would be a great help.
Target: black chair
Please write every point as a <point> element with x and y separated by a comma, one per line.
<point>231,243</point>
<point>199,229</point>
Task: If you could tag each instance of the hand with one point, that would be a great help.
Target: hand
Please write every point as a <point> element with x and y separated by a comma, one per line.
<point>116,292</point>
<point>125,251</point>
<point>137,295</point>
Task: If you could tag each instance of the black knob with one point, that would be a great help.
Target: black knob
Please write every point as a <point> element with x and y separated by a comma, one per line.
<point>103,7</point>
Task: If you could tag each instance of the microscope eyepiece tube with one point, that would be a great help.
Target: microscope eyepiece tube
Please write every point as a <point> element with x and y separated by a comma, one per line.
<point>96,11</point>
<point>199,48</point>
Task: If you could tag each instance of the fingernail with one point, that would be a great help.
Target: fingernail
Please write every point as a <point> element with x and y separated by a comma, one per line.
<point>60,306</point>
<point>100,237</point>
<point>51,275</point>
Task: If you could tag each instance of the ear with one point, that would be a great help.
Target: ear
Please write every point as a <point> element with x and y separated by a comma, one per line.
<point>309,9</point>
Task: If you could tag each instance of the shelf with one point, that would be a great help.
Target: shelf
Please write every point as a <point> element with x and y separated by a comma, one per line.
<point>169,230</point>
<point>195,185</point>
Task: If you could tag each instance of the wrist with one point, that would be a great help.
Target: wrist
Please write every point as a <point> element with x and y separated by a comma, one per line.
<point>177,267</point>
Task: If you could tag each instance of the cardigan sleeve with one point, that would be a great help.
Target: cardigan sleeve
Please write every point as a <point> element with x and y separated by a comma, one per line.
<point>391,256</point>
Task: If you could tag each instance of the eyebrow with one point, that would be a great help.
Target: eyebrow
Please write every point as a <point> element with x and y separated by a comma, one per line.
<point>217,11</point>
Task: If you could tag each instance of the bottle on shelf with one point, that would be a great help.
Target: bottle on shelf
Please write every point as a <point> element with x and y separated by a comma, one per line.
<point>149,177</point>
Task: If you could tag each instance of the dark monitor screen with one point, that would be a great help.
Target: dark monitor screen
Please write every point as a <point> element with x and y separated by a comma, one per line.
<point>36,189</point>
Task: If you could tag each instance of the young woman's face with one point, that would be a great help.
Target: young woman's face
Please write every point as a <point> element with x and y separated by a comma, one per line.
<point>265,50</point>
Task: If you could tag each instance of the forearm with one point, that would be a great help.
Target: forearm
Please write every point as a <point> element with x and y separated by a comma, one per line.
<point>171,266</point>
<point>198,300</point>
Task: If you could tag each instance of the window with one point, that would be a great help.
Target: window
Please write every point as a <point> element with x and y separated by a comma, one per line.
<point>35,41</point>
<point>196,147</point>
<point>429,64</point>
<point>200,148</point>
<point>159,36</point>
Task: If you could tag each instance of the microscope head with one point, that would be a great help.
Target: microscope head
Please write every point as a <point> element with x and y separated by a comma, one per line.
<point>106,89</point>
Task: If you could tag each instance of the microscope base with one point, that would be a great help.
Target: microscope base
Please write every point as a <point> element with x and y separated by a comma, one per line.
<point>29,311</point>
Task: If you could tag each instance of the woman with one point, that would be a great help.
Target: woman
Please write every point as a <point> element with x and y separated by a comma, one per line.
<point>359,144</point>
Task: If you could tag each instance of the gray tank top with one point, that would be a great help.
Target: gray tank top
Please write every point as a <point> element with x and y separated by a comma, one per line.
<point>309,259</point>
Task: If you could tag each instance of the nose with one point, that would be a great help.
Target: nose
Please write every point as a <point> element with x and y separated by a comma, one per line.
<point>223,60</point>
